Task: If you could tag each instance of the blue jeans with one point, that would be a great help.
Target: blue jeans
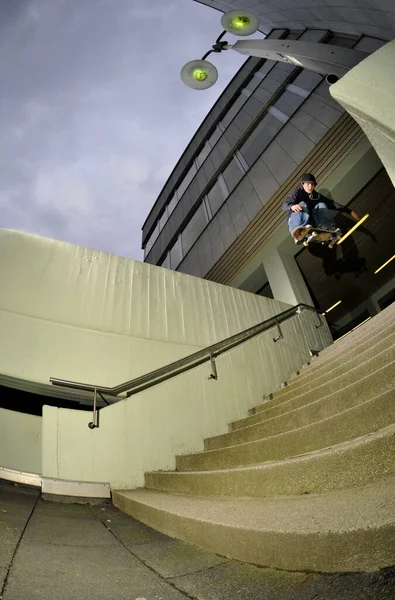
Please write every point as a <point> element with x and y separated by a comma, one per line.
<point>320,214</point>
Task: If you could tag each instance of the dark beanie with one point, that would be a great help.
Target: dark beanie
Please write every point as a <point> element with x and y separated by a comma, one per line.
<point>308,178</point>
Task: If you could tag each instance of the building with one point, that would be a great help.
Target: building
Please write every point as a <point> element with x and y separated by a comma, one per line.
<point>219,214</point>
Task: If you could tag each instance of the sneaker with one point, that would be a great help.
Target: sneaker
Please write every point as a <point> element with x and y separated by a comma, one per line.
<point>299,242</point>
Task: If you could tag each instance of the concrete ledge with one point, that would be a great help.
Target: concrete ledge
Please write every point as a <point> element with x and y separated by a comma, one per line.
<point>78,489</point>
<point>20,477</point>
<point>351,530</point>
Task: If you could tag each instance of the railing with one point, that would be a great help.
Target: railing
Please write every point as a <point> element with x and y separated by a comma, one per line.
<point>185,364</point>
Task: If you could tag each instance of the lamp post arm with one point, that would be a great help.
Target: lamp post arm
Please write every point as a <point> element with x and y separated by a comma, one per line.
<point>321,58</point>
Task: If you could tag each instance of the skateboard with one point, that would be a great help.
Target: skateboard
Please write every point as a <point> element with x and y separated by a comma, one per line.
<point>309,235</point>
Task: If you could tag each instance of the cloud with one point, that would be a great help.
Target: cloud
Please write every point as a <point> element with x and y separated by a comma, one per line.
<point>94,115</point>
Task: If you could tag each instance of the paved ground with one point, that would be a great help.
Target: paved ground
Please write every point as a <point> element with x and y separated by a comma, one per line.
<point>80,552</point>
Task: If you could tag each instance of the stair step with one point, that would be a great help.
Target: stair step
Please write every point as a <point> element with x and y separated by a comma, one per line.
<point>357,420</point>
<point>333,354</point>
<point>324,369</point>
<point>322,408</point>
<point>343,531</point>
<point>365,372</point>
<point>379,321</point>
<point>364,459</point>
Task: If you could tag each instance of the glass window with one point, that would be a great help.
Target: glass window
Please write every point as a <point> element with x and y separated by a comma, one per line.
<point>269,84</point>
<point>172,204</point>
<point>237,212</point>
<point>228,232</point>
<point>253,106</point>
<point>187,180</point>
<point>215,197</point>
<point>255,81</point>
<point>151,240</point>
<point>262,135</point>
<point>339,40</point>
<point>203,154</point>
<point>265,68</point>
<point>166,262</point>
<point>163,219</point>
<point>175,254</point>
<point>307,80</point>
<point>263,96</point>
<point>232,175</point>
<point>288,103</point>
<point>234,109</point>
<point>215,137</point>
<point>313,35</point>
<point>368,44</point>
<point>205,252</point>
<point>280,72</point>
<point>193,229</point>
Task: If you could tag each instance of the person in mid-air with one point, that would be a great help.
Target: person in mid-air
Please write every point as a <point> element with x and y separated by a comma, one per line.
<point>308,208</point>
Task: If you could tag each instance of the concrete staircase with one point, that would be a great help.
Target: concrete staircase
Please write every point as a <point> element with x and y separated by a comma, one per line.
<point>307,481</point>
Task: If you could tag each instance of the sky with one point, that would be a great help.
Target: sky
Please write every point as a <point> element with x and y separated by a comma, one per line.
<point>93,113</point>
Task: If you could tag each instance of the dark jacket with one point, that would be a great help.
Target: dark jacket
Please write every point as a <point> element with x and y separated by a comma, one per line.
<point>299,195</point>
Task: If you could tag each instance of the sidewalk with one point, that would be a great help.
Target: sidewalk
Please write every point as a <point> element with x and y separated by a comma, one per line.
<point>75,551</point>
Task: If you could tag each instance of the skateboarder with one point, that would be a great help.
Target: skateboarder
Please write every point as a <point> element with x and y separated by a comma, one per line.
<point>308,208</point>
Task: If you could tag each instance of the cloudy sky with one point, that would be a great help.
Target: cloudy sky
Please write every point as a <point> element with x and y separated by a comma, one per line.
<point>93,114</point>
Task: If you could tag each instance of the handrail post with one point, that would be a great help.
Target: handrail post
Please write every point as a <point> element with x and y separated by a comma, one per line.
<point>93,424</point>
<point>214,374</point>
<point>280,333</point>
<point>320,323</point>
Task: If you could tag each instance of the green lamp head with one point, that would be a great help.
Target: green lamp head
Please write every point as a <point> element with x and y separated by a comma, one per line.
<point>240,22</point>
<point>199,74</point>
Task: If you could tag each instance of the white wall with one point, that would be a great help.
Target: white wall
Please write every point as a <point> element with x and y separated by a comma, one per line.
<point>20,441</point>
<point>79,314</point>
<point>146,432</point>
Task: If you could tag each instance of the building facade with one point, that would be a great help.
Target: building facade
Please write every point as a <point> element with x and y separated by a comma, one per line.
<point>219,215</point>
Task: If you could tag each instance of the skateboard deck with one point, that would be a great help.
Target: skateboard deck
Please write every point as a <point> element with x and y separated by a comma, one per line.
<point>309,235</point>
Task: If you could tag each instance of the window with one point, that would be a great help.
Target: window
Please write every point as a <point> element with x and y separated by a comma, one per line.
<point>204,152</point>
<point>172,204</point>
<point>175,254</point>
<point>163,219</point>
<point>187,180</point>
<point>234,109</point>
<point>215,197</point>
<point>193,229</point>
<point>215,137</point>
<point>151,240</point>
<point>166,262</point>
<point>288,103</point>
<point>262,135</point>
<point>232,175</point>
<point>307,80</point>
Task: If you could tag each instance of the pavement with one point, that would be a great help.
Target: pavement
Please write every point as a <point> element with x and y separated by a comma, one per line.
<point>56,550</point>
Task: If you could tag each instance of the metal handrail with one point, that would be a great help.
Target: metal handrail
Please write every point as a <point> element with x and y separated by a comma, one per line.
<point>185,364</point>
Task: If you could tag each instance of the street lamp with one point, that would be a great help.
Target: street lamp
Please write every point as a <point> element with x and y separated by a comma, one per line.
<point>199,74</point>
<point>240,22</point>
<point>332,61</point>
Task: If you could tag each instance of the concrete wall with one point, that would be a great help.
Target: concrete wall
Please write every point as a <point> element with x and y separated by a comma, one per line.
<point>146,431</point>
<point>20,441</point>
<point>79,314</point>
<point>367,92</point>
